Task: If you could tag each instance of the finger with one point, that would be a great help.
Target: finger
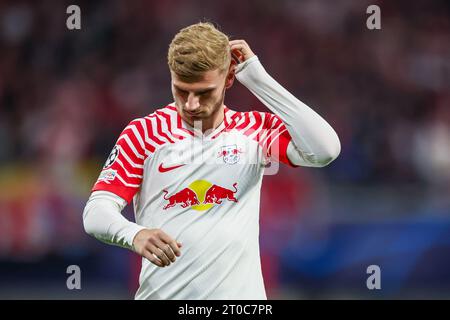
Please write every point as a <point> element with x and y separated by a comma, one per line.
<point>237,41</point>
<point>160,254</point>
<point>237,52</point>
<point>166,249</point>
<point>241,46</point>
<point>171,242</point>
<point>235,58</point>
<point>237,47</point>
<point>241,53</point>
<point>149,256</point>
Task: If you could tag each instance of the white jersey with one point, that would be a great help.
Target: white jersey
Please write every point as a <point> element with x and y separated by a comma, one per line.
<point>202,190</point>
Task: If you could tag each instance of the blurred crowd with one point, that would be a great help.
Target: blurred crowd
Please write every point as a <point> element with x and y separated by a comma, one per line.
<point>66,95</point>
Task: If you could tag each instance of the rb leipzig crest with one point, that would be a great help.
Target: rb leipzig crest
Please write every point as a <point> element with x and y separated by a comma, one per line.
<point>230,154</point>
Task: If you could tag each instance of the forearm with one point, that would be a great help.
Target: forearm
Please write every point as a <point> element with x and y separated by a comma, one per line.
<point>314,140</point>
<point>102,219</point>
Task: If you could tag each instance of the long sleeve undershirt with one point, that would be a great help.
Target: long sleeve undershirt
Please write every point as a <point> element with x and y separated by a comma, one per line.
<point>314,142</point>
<point>102,218</point>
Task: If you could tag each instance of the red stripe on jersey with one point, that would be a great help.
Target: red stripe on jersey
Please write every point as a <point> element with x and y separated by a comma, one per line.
<point>125,145</point>
<point>168,119</point>
<point>279,152</point>
<point>244,123</point>
<point>228,125</point>
<point>129,166</point>
<point>273,129</point>
<point>122,191</point>
<point>159,128</point>
<point>265,130</point>
<point>152,130</point>
<point>236,117</point>
<point>131,134</point>
<point>125,148</point>
<point>145,129</point>
<point>278,142</point>
<point>178,121</point>
<point>130,170</point>
<point>180,125</point>
<point>272,122</point>
<point>257,125</point>
<point>120,166</point>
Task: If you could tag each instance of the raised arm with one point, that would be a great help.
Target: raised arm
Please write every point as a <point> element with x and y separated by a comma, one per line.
<point>314,142</point>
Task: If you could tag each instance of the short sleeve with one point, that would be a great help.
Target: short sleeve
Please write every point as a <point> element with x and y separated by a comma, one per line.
<point>123,171</point>
<point>277,139</point>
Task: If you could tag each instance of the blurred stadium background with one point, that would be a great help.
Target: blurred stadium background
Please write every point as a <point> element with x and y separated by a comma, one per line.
<point>66,95</point>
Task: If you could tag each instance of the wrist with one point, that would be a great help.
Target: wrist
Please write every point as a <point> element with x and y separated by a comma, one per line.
<point>241,66</point>
<point>252,73</point>
<point>133,235</point>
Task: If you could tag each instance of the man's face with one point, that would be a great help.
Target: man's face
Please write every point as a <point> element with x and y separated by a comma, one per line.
<point>198,100</point>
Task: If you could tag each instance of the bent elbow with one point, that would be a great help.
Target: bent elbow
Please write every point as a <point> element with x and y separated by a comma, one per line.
<point>331,152</point>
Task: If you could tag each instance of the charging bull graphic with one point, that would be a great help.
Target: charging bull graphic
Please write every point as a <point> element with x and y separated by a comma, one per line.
<point>200,195</point>
<point>186,197</point>
<point>216,193</point>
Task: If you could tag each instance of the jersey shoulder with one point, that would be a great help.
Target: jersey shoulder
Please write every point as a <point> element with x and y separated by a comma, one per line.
<point>249,122</point>
<point>161,126</point>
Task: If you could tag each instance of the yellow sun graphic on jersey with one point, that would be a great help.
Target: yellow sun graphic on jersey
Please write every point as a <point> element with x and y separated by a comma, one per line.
<point>200,187</point>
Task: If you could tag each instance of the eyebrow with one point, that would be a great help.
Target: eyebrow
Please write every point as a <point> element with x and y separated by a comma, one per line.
<point>197,91</point>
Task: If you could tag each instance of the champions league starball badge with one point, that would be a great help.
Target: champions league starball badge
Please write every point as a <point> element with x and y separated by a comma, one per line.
<point>112,157</point>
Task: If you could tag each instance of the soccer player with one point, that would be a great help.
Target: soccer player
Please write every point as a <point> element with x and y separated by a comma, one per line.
<point>194,170</point>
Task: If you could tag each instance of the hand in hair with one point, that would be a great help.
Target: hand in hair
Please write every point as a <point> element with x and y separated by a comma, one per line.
<point>240,50</point>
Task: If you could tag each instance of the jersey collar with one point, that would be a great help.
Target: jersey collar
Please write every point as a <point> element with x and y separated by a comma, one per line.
<point>212,134</point>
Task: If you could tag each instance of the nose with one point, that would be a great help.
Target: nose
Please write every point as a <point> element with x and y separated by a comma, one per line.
<point>192,103</point>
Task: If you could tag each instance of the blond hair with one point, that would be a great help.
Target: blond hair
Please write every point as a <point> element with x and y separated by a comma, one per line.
<point>198,48</point>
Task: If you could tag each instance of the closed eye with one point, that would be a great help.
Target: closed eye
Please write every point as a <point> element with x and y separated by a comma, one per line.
<point>202,92</point>
<point>181,91</point>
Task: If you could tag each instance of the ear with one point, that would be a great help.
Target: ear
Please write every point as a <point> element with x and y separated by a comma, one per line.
<point>231,75</point>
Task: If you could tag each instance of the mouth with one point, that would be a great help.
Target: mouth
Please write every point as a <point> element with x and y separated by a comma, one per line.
<point>193,114</point>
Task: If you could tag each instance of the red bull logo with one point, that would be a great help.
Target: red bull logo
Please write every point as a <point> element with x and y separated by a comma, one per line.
<point>200,195</point>
<point>216,193</point>
<point>185,197</point>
